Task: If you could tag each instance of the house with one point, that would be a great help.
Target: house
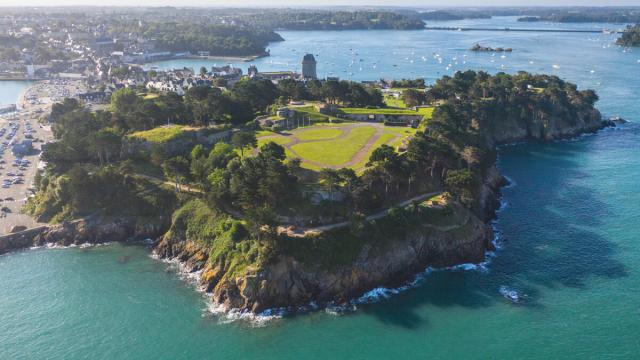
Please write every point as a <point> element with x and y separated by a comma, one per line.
<point>96,96</point>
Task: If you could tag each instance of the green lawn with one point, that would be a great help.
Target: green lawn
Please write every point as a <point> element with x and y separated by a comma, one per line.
<point>329,150</point>
<point>385,138</point>
<point>387,111</point>
<point>311,112</point>
<point>151,96</point>
<point>276,138</point>
<point>306,134</point>
<point>160,134</point>
<point>336,152</point>
<point>391,101</point>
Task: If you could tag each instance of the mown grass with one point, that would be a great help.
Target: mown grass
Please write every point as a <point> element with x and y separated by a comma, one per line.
<point>385,138</point>
<point>336,152</point>
<point>391,101</point>
<point>387,111</point>
<point>160,134</point>
<point>312,113</point>
<point>391,136</point>
<point>318,134</point>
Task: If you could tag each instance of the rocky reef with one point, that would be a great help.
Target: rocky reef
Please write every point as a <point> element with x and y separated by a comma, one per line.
<point>480,48</point>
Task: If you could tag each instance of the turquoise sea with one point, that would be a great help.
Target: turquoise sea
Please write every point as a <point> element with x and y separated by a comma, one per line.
<point>10,90</point>
<point>569,234</point>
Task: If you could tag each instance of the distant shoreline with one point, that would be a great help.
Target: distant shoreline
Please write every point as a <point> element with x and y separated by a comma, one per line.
<point>247,58</point>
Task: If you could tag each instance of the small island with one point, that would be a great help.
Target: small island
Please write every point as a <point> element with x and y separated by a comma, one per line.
<point>630,37</point>
<point>480,48</point>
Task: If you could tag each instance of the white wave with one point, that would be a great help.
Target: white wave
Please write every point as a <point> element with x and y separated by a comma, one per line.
<point>226,316</point>
<point>71,246</point>
<point>512,183</point>
<point>510,294</point>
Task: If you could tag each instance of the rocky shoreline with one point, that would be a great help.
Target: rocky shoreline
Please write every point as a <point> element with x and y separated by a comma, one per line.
<point>83,231</point>
<point>288,283</point>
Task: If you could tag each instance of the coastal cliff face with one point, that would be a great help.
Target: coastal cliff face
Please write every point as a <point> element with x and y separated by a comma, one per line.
<point>547,128</point>
<point>288,282</point>
<point>83,231</point>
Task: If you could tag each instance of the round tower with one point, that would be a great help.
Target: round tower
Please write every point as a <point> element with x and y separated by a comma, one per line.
<point>309,67</point>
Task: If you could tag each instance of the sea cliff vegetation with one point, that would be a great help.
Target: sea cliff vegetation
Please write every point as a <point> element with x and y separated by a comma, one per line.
<point>630,37</point>
<point>268,233</point>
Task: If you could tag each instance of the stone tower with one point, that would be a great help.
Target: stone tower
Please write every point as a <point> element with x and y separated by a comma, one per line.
<point>309,67</point>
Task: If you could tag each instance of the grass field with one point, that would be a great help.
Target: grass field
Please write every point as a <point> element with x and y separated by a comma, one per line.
<point>312,113</point>
<point>318,134</point>
<point>337,145</point>
<point>391,101</point>
<point>160,134</point>
<point>335,152</point>
<point>387,111</point>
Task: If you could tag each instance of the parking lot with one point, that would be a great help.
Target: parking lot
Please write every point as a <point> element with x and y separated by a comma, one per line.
<point>18,166</point>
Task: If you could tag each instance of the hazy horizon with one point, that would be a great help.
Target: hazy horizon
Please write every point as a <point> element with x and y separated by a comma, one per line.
<point>312,3</point>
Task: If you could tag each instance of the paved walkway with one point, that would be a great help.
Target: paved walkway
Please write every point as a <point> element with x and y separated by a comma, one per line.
<point>302,232</point>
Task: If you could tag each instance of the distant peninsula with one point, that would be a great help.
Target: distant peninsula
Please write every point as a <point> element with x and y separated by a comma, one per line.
<point>630,37</point>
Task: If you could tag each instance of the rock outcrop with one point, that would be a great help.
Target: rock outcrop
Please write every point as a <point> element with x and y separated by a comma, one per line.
<point>82,231</point>
<point>548,128</point>
<point>288,282</point>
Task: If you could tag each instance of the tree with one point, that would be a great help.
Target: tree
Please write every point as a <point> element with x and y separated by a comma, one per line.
<point>388,163</point>
<point>106,143</point>
<point>261,220</point>
<point>461,183</point>
<point>413,97</point>
<point>203,71</point>
<point>197,152</point>
<point>66,106</point>
<point>272,150</point>
<point>176,168</point>
<point>329,178</point>
<point>218,193</point>
<point>243,140</point>
<point>124,101</point>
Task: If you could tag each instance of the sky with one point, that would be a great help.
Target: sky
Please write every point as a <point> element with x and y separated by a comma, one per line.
<point>314,3</point>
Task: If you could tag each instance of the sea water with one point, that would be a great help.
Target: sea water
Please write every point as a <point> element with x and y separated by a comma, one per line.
<point>564,284</point>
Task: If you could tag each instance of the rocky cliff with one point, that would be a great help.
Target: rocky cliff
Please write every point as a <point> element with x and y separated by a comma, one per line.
<point>289,281</point>
<point>83,231</point>
<point>547,127</point>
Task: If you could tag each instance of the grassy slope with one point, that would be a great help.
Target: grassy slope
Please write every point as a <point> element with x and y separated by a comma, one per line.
<point>160,134</point>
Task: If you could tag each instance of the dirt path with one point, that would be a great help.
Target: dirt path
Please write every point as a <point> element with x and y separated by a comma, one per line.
<point>302,232</point>
<point>346,130</point>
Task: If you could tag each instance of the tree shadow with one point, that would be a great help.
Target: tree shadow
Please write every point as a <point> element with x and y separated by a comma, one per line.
<point>551,240</point>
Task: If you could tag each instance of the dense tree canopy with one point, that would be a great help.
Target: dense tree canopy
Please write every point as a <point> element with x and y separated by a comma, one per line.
<point>631,37</point>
